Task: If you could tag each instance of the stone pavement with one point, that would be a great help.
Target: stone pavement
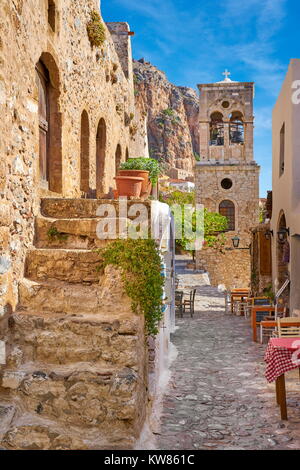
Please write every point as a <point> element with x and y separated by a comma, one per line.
<point>218,397</point>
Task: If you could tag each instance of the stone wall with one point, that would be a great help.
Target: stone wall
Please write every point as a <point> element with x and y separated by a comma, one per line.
<point>231,268</point>
<point>82,78</point>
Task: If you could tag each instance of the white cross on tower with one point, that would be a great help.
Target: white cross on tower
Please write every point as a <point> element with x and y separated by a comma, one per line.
<point>226,74</point>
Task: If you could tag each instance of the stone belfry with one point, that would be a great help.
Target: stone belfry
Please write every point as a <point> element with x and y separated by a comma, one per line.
<point>227,177</point>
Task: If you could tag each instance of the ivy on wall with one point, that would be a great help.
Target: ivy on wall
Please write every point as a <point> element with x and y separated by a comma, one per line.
<point>140,264</point>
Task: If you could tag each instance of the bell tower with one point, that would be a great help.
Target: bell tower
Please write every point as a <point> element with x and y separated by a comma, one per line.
<point>227,177</point>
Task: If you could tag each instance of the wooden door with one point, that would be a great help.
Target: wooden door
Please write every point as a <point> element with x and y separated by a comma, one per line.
<point>43,84</point>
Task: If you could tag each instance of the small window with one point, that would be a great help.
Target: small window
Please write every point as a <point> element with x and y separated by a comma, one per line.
<point>227,209</point>
<point>282,150</point>
<point>226,183</point>
<point>51,14</point>
<point>225,104</point>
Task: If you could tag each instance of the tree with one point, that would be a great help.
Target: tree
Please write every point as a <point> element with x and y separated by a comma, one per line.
<point>214,223</point>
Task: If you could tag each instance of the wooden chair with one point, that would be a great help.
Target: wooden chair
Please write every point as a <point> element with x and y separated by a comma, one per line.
<point>260,313</point>
<point>189,304</point>
<point>179,302</point>
<point>288,327</point>
<point>237,295</point>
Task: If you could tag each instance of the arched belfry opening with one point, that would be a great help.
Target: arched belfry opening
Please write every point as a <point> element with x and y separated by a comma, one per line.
<point>50,125</point>
<point>216,129</point>
<point>100,157</point>
<point>236,128</point>
<point>227,209</point>
<point>118,158</point>
<point>84,152</point>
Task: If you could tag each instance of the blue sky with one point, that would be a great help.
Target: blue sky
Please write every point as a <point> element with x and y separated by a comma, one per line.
<point>193,42</point>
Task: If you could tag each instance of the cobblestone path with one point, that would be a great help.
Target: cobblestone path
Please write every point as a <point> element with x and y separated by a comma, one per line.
<point>218,397</point>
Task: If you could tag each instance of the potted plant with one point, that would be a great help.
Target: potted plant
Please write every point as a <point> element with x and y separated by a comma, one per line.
<point>147,168</point>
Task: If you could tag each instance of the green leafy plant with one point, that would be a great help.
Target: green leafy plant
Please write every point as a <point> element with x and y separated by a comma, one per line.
<point>53,234</point>
<point>268,292</point>
<point>96,30</point>
<point>147,164</point>
<point>140,264</point>
<point>168,112</point>
<point>214,223</point>
<point>197,156</point>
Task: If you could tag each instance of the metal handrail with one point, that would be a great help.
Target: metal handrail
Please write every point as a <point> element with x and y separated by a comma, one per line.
<point>278,294</point>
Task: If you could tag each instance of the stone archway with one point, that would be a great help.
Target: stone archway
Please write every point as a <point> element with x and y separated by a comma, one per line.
<point>84,152</point>
<point>100,157</point>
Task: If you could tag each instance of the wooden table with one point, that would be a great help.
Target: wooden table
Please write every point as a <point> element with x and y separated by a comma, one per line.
<point>282,355</point>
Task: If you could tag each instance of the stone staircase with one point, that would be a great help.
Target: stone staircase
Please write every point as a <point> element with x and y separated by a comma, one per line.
<point>76,375</point>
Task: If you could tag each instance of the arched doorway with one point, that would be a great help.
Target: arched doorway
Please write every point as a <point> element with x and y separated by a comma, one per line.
<point>227,209</point>
<point>118,158</point>
<point>84,153</point>
<point>100,156</point>
<point>50,124</point>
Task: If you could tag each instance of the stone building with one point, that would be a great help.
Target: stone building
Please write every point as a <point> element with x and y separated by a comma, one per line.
<point>285,221</point>
<point>75,373</point>
<point>227,177</point>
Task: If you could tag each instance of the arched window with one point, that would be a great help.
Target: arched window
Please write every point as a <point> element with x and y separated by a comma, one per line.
<point>227,209</point>
<point>50,154</point>
<point>84,153</point>
<point>118,158</point>
<point>100,156</point>
<point>216,129</point>
<point>236,128</point>
<point>51,14</point>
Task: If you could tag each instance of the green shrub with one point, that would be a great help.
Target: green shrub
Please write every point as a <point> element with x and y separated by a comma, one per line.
<point>140,264</point>
<point>96,30</point>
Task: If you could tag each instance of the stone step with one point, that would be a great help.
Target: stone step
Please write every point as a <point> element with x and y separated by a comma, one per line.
<point>84,208</point>
<point>61,297</point>
<point>70,339</point>
<point>70,233</point>
<point>31,432</point>
<point>84,399</point>
<point>7,412</point>
<point>73,266</point>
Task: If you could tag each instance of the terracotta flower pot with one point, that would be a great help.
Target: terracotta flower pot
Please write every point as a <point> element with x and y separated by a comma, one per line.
<point>129,186</point>
<point>146,184</point>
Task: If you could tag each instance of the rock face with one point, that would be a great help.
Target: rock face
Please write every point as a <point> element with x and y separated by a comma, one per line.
<point>171,114</point>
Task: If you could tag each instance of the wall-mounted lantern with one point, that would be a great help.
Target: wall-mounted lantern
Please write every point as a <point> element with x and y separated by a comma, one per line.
<point>269,234</point>
<point>282,233</point>
<point>236,241</point>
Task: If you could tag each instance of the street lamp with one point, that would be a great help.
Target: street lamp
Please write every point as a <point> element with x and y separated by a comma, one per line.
<point>282,233</point>
<point>235,241</point>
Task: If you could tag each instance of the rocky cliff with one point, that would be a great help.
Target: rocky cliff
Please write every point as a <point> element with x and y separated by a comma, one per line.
<point>171,117</point>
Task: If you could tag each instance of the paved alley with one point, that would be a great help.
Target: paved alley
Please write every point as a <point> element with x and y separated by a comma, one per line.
<point>218,397</point>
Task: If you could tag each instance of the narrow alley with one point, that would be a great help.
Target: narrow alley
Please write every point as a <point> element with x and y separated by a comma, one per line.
<point>218,397</point>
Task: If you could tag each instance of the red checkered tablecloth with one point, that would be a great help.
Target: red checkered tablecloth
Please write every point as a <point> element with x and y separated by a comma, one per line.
<point>282,354</point>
